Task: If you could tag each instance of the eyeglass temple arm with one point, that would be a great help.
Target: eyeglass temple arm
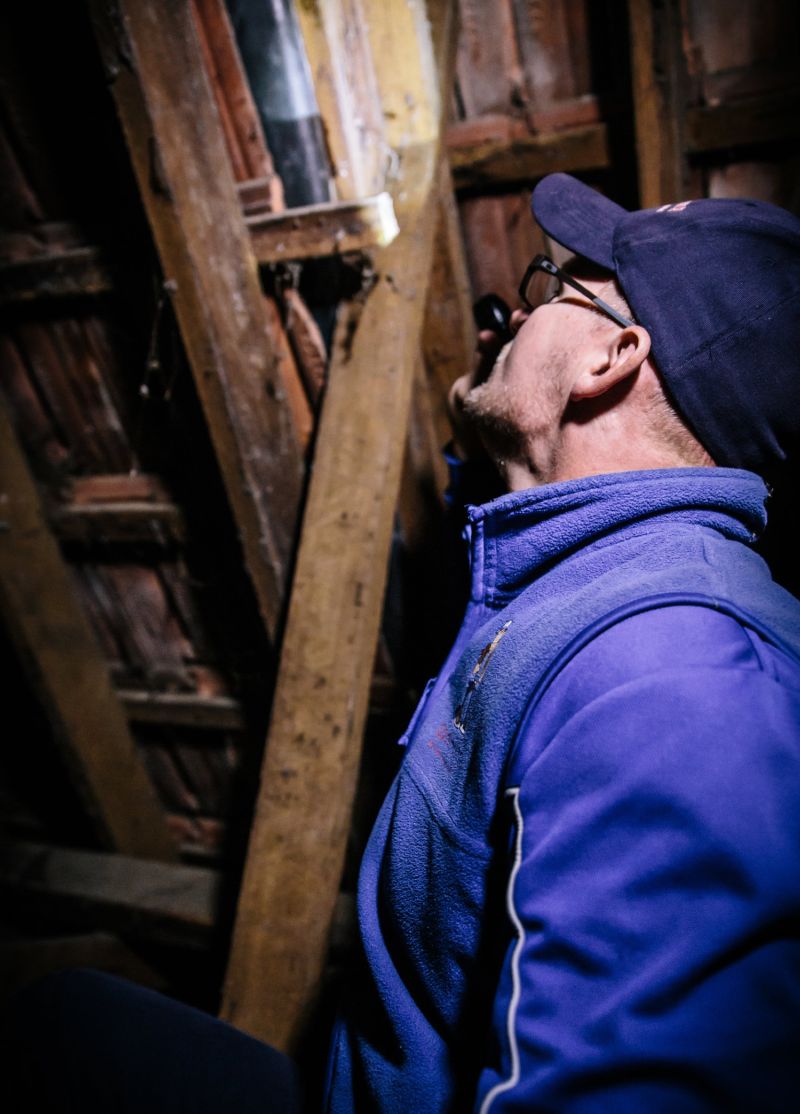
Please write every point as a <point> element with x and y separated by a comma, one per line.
<point>545,264</point>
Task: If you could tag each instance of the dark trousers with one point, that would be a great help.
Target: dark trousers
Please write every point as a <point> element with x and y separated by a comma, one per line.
<point>82,1041</point>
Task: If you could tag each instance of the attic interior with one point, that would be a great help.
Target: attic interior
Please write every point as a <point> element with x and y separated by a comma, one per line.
<point>239,252</point>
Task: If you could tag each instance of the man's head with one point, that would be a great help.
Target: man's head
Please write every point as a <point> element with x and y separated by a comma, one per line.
<point>575,393</point>
<point>705,371</point>
<point>716,283</point>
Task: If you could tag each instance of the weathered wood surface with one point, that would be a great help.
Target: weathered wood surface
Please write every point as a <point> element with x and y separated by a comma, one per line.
<point>530,157</point>
<point>153,61</point>
<point>764,119</point>
<point>314,231</point>
<point>309,773</point>
<point>163,902</point>
<point>167,902</point>
<point>77,273</point>
<point>48,626</point>
<point>346,88</point>
<point>183,708</point>
<point>659,96</point>
<point>238,114</point>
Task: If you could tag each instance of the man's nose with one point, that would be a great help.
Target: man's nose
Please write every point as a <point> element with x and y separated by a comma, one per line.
<point>518,319</point>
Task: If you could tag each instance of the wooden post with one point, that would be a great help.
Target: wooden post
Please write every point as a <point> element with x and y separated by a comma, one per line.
<point>308,778</point>
<point>659,97</point>
<point>39,604</point>
<point>152,57</point>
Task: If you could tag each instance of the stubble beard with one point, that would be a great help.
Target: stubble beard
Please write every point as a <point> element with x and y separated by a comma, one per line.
<point>512,419</point>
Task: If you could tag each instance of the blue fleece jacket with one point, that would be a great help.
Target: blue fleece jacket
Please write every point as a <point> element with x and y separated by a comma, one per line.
<point>582,892</point>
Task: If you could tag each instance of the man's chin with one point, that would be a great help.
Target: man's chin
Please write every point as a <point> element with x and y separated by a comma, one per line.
<point>486,408</point>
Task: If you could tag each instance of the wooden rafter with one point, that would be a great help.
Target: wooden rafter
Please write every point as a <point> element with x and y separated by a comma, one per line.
<point>164,98</point>
<point>308,778</point>
<point>39,604</point>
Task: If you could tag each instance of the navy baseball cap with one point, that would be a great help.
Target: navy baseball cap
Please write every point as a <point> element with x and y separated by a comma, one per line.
<point>716,283</point>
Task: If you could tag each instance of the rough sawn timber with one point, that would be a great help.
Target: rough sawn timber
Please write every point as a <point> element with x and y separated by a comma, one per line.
<point>308,777</point>
<point>152,57</point>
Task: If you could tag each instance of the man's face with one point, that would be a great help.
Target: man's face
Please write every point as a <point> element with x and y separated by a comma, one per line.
<point>519,410</point>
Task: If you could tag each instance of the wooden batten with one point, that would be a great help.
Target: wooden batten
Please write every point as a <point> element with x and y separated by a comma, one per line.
<point>769,118</point>
<point>477,162</point>
<point>317,231</point>
<point>50,631</point>
<point>298,838</point>
<point>172,126</point>
<point>167,902</point>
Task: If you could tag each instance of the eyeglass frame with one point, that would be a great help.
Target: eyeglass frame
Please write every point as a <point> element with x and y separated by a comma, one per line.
<point>546,264</point>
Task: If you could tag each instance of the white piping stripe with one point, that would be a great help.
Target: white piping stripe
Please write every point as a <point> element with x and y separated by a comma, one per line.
<point>513,1079</point>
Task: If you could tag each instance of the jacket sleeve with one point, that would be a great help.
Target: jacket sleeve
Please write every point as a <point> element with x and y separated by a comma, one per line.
<point>653,949</point>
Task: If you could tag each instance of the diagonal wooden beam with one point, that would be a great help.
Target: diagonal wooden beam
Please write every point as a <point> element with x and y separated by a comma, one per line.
<point>52,635</point>
<point>152,57</point>
<point>308,778</point>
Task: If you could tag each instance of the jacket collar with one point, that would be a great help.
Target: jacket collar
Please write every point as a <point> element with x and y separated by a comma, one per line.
<point>516,537</point>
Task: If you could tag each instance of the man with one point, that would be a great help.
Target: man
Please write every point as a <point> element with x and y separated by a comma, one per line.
<point>582,892</point>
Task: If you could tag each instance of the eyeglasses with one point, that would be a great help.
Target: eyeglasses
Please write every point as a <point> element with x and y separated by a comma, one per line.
<point>542,264</point>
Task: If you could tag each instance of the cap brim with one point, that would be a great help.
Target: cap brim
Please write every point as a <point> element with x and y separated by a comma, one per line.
<point>578,217</point>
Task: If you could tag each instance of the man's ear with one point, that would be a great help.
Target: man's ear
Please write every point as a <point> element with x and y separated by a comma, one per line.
<point>612,363</point>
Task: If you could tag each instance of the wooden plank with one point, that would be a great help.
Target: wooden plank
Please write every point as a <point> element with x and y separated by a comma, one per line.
<point>152,59</point>
<point>296,850</point>
<point>219,713</point>
<point>310,232</point>
<point>489,68</point>
<point>79,273</point>
<point>315,231</point>
<point>167,902</point>
<point>163,902</point>
<point>765,119</point>
<point>52,635</point>
<point>346,88</point>
<point>159,523</point>
<point>529,158</point>
<point>238,113</point>
<point>659,97</point>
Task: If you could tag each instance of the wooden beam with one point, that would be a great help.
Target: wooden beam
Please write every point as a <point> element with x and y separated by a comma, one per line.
<point>167,902</point>
<point>525,159</point>
<point>152,58</point>
<point>313,231</point>
<point>338,50</point>
<point>296,850</point>
<point>52,635</point>
<point>323,230</point>
<point>764,119</point>
<point>159,523</point>
<point>163,902</point>
<point>220,713</point>
<point>78,273</point>
<point>659,98</point>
